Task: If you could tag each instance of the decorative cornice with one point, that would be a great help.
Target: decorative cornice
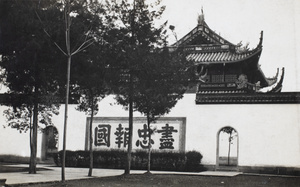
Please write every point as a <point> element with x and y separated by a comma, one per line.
<point>257,98</point>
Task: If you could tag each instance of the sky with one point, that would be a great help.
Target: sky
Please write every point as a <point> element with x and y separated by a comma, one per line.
<point>243,20</point>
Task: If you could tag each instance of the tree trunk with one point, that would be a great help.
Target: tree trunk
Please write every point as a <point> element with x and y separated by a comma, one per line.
<point>68,23</point>
<point>65,123</point>
<point>149,145</point>
<point>33,144</point>
<point>91,141</point>
<point>130,128</point>
<point>229,148</point>
<point>33,139</point>
<point>30,140</point>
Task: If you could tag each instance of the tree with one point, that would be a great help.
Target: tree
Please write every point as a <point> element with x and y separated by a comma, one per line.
<point>32,52</point>
<point>20,118</point>
<point>135,37</point>
<point>89,76</point>
<point>82,16</point>
<point>162,80</point>
<point>232,133</point>
<point>85,12</point>
<point>28,71</point>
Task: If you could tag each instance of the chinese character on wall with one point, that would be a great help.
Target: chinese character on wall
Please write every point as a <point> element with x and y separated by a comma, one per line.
<point>102,135</point>
<point>166,140</point>
<point>144,134</point>
<point>115,135</point>
<point>122,136</point>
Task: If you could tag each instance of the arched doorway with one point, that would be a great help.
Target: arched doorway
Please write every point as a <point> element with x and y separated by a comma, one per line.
<point>227,149</point>
<point>49,142</point>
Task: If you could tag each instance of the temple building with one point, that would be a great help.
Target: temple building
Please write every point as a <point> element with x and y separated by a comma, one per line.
<point>224,67</point>
<point>235,116</point>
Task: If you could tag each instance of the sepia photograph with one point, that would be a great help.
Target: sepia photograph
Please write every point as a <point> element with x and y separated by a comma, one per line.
<point>150,93</point>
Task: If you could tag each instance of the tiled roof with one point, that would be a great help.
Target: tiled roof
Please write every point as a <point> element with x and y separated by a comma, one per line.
<point>204,46</point>
<point>219,57</point>
<point>206,33</point>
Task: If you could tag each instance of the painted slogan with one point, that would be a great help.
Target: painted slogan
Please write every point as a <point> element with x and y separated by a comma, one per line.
<point>113,133</point>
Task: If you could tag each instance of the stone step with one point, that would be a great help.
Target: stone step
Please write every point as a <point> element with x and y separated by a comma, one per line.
<point>227,168</point>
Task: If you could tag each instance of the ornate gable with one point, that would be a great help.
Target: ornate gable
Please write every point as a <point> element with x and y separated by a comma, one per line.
<point>202,35</point>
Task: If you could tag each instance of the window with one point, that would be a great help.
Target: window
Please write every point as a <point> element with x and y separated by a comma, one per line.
<point>217,78</point>
<point>230,78</point>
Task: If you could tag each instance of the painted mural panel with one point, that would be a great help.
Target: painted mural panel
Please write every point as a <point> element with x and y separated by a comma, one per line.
<point>113,133</point>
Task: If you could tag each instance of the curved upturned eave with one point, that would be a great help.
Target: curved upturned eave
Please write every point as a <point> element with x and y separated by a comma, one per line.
<point>217,59</point>
<point>232,57</point>
<point>277,88</point>
<point>273,80</point>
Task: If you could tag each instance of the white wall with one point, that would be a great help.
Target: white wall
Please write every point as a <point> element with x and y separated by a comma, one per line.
<point>12,141</point>
<point>268,134</point>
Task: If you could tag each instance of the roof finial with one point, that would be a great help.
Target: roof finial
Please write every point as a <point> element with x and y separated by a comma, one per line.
<point>201,17</point>
<point>261,38</point>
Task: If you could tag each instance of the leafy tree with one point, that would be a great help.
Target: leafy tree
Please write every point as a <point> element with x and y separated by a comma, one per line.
<point>28,69</point>
<point>162,80</point>
<point>85,14</point>
<point>151,78</point>
<point>135,37</point>
<point>82,18</point>
<point>32,49</point>
<point>20,118</point>
<point>89,76</point>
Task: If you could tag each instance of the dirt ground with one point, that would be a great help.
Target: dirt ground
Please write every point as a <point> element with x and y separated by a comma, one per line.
<point>147,180</point>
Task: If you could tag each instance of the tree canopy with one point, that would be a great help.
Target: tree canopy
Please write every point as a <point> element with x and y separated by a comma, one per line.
<point>151,79</point>
<point>28,58</point>
<point>29,62</point>
<point>33,50</point>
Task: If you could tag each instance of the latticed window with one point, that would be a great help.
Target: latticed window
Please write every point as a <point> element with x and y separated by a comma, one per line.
<point>230,78</point>
<point>217,78</point>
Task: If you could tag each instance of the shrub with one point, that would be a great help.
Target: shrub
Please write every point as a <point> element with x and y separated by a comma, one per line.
<point>14,159</point>
<point>139,160</point>
<point>167,161</point>
<point>116,159</point>
<point>193,160</point>
<point>83,158</point>
<point>71,158</point>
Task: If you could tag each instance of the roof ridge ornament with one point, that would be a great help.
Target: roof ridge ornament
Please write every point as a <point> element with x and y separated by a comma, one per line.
<point>201,17</point>
<point>261,38</point>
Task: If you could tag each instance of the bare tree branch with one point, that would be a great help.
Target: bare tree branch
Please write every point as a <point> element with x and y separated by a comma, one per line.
<point>83,46</point>
<point>49,34</point>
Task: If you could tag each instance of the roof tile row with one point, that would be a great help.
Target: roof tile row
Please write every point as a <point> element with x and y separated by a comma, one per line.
<point>224,56</point>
